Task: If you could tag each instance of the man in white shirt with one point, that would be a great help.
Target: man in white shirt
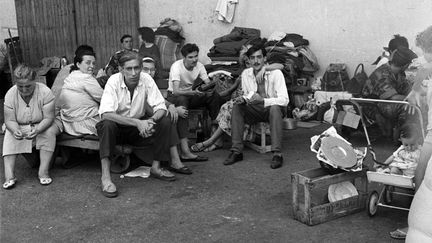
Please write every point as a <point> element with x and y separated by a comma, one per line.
<point>262,102</point>
<point>184,74</point>
<point>122,108</point>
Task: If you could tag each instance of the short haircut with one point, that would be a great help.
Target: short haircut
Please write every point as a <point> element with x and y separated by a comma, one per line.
<point>424,40</point>
<point>189,48</point>
<point>147,34</point>
<point>256,48</point>
<point>124,37</point>
<point>397,41</point>
<point>410,130</point>
<point>23,71</point>
<point>128,56</point>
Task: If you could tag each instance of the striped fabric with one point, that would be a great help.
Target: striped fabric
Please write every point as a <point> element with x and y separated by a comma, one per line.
<point>169,50</point>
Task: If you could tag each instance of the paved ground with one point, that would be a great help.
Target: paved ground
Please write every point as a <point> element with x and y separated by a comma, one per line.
<point>245,202</point>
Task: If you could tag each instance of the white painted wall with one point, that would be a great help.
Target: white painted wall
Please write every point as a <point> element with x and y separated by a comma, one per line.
<point>350,31</point>
<point>7,19</point>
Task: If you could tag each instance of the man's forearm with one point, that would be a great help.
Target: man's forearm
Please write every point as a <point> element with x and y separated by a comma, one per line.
<point>120,119</point>
<point>185,93</point>
<point>158,115</point>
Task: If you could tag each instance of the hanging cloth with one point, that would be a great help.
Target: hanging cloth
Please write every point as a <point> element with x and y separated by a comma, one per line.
<point>225,10</point>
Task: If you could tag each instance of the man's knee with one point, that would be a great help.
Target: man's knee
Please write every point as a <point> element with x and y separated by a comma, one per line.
<point>276,111</point>
<point>106,125</point>
<point>164,123</point>
<point>182,101</point>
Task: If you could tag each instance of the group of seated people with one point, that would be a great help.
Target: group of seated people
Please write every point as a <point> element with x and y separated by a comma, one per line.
<point>125,106</point>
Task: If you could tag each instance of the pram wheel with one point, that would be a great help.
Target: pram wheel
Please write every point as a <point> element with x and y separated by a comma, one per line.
<point>388,194</point>
<point>372,203</point>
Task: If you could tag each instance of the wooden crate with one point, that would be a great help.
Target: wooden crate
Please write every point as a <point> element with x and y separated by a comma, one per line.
<point>313,179</point>
<point>262,147</point>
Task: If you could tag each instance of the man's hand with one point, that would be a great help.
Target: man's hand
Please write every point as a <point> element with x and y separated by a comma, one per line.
<point>18,134</point>
<point>260,75</point>
<point>145,127</point>
<point>198,93</point>
<point>173,113</point>
<point>182,111</point>
<point>256,99</point>
<point>239,100</point>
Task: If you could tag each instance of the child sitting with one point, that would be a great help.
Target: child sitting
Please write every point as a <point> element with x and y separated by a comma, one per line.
<point>404,160</point>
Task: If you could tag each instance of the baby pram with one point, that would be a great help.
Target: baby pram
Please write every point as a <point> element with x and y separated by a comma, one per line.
<point>392,184</point>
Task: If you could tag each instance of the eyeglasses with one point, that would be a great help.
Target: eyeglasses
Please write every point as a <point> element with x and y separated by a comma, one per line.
<point>146,69</point>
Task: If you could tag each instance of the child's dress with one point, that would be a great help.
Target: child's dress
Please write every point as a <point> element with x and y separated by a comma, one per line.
<point>406,160</point>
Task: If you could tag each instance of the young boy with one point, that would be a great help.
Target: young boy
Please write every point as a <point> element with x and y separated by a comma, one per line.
<point>148,48</point>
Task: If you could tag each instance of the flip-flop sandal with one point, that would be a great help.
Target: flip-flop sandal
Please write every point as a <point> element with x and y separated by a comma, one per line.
<point>9,184</point>
<point>198,147</point>
<point>398,234</point>
<point>45,181</point>
<point>109,194</point>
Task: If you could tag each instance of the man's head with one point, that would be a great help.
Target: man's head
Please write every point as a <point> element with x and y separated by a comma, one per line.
<point>190,54</point>
<point>130,66</point>
<point>257,57</point>
<point>424,42</point>
<point>397,41</point>
<point>126,42</point>
<point>148,66</point>
<point>147,34</point>
<point>400,59</point>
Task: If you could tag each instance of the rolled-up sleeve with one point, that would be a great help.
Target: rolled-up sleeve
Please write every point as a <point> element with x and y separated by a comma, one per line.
<point>279,90</point>
<point>154,96</point>
<point>109,101</point>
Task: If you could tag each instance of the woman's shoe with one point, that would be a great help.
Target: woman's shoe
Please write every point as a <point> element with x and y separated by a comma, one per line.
<point>45,181</point>
<point>9,184</point>
<point>198,147</point>
<point>183,170</point>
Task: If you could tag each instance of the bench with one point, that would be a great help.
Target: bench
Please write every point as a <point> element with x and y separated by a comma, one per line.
<point>119,163</point>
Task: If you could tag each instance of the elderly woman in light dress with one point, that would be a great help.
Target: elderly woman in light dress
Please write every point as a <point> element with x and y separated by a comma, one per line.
<point>29,116</point>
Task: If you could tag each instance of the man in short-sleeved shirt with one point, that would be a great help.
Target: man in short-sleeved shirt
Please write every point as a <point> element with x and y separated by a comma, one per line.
<point>184,74</point>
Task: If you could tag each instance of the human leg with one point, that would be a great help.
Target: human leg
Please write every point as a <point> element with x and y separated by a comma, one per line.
<point>9,165</point>
<point>107,133</point>
<point>275,120</point>
<point>240,114</point>
<point>45,143</point>
<point>198,147</point>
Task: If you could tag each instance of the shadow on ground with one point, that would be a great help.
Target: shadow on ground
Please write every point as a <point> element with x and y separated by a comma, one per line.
<point>245,202</point>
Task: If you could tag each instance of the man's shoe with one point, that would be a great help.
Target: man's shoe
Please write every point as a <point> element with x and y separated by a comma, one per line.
<point>233,157</point>
<point>276,162</point>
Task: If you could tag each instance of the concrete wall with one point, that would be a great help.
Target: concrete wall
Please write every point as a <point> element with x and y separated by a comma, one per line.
<point>7,19</point>
<point>350,31</point>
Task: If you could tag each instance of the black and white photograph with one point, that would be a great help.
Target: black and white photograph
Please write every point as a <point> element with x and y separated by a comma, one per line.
<point>216,121</point>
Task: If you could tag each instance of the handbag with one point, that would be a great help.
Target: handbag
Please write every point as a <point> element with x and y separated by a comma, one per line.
<point>335,77</point>
<point>355,85</point>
